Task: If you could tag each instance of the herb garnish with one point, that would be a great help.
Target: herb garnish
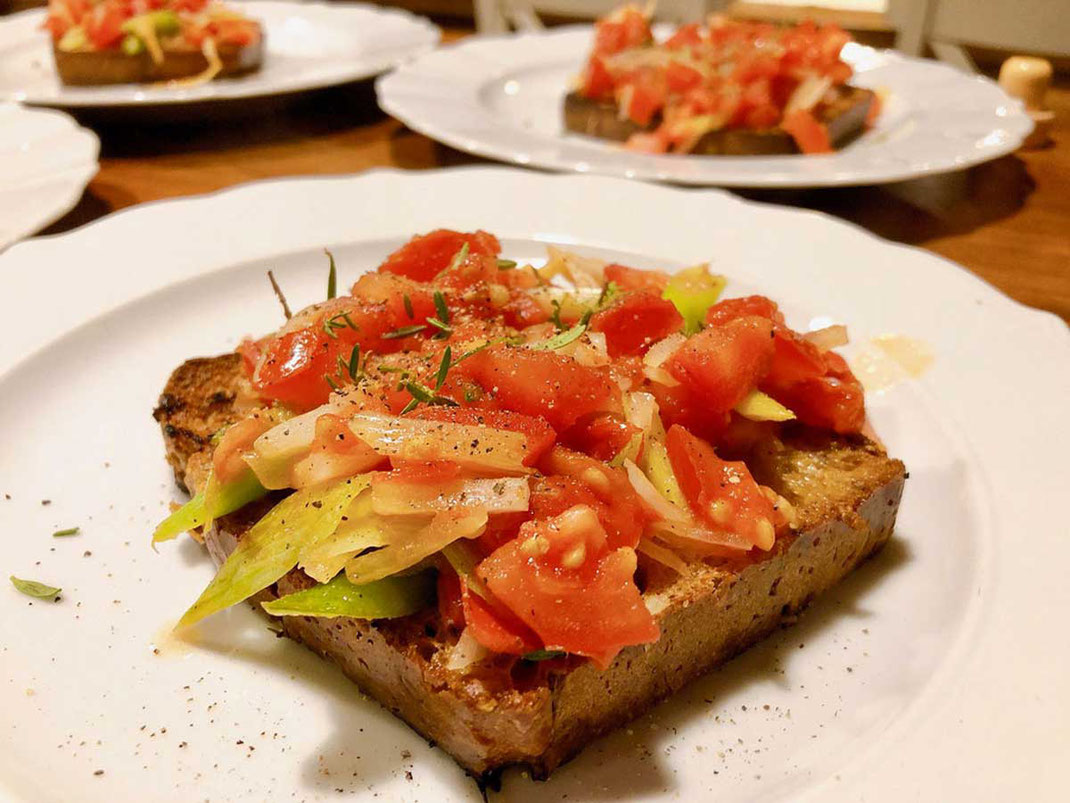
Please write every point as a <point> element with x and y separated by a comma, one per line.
<point>339,321</point>
<point>353,368</point>
<point>459,257</point>
<point>332,276</point>
<point>443,368</point>
<point>66,532</point>
<point>442,322</point>
<point>543,655</point>
<point>279,295</point>
<point>408,306</point>
<point>405,331</point>
<point>506,264</point>
<point>32,588</point>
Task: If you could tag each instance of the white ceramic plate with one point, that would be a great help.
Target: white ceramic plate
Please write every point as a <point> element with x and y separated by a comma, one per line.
<point>46,161</point>
<point>501,97</point>
<point>936,672</point>
<point>308,46</point>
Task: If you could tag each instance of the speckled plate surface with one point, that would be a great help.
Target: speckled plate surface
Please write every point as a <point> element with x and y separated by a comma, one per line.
<point>501,97</point>
<point>308,45</point>
<point>935,672</point>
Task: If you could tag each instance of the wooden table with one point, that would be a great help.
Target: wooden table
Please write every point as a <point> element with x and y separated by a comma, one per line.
<point>1008,220</point>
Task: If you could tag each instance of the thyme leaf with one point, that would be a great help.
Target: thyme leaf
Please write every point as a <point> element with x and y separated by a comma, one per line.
<point>405,331</point>
<point>332,276</point>
<point>31,588</point>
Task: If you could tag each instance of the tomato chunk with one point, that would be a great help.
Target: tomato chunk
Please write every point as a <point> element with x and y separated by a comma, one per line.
<point>722,364</point>
<point>425,256</point>
<point>541,383</point>
<point>634,279</point>
<point>635,321</point>
<point>495,626</point>
<point>721,493</point>
<point>603,488</point>
<point>561,579</point>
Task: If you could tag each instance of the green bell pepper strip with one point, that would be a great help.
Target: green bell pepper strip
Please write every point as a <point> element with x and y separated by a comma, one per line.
<point>388,598</point>
<point>272,546</point>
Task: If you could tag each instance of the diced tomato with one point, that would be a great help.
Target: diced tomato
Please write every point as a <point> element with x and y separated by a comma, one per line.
<point>103,25</point>
<point>425,256</point>
<point>685,36</point>
<point>450,605</point>
<point>635,321</point>
<point>722,364</point>
<point>817,386</point>
<point>189,5</point>
<point>629,27</point>
<point>601,436</point>
<point>596,82</point>
<point>810,135</point>
<point>391,290</point>
<point>540,383</point>
<point>496,627</point>
<point>835,400</point>
<point>731,308</point>
<point>634,279</point>
<point>681,78</point>
<point>765,116</point>
<point>294,365</point>
<point>644,95</point>
<point>721,493</point>
<point>540,436</point>
<point>614,499</point>
<point>561,579</point>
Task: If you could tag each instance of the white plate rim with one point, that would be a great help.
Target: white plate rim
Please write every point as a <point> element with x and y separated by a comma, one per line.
<point>66,183</point>
<point>947,718</point>
<point>425,36</point>
<point>396,98</point>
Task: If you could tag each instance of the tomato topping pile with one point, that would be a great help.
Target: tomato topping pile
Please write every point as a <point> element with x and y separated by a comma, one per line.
<point>568,405</point>
<point>726,75</point>
<point>99,24</point>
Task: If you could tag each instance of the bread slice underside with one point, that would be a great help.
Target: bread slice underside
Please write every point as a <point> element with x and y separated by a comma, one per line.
<point>845,492</point>
<point>845,119</point>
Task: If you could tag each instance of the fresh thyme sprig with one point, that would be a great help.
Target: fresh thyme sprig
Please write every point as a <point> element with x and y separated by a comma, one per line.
<point>332,276</point>
<point>405,331</point>
<point>339,321</point>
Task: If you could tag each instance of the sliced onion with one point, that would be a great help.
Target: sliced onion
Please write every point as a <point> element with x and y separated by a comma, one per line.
<point>411,541</point>
<point>698,539</point>
<point>580,271</point>
<point>465,652</point>
<point>654,501</point>
<point>500,495</point>
<point>828,338</point>
<point>640,409</point>
<point>495,451</point>
<point>808,93</point>
<point>663,349</point>
<point>662,555</point>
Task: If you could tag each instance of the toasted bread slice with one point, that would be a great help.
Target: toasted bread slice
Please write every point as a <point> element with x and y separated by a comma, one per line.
<point>100,67</point>
<point>845,492</point>
<point>845,119</point>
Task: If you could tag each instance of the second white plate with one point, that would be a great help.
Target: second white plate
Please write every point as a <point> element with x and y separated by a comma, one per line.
<point>46,161</point>
<point>308,46</point>
<point>501,97</point>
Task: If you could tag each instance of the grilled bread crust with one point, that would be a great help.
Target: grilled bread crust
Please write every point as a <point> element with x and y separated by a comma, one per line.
<point>845,119</point>
<point>101,67</point>
<point>845,492</point>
